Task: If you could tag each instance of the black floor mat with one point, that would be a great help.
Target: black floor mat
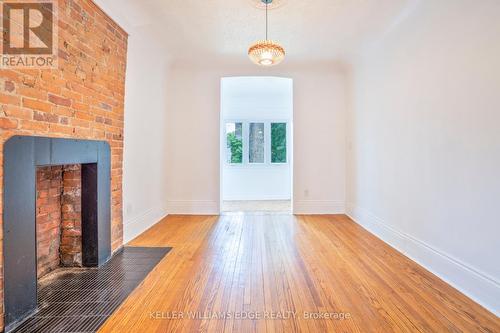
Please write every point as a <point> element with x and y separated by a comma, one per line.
<point>82,300</point>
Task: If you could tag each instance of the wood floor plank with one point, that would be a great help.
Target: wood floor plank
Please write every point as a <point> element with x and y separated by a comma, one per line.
<point>278,269</point>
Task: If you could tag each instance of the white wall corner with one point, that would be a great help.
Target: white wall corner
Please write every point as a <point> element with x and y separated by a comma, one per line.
<point>480,287</point>
<point>317,207</point>
<point>193,207</point>
<point>135,226</point>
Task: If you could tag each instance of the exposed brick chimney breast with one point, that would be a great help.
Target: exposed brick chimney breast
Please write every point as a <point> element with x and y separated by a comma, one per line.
<point>83,99</point>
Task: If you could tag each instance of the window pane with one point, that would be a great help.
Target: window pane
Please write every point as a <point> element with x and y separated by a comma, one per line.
<point>256,143</point>
<point>278,142</point>
<point>234,138</point>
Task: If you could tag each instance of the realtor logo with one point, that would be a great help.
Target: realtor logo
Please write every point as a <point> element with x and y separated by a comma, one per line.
<point>29,34</point>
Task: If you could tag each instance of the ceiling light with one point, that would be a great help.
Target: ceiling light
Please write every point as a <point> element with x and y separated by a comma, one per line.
<point>266,52</point>
<point>273,5</point>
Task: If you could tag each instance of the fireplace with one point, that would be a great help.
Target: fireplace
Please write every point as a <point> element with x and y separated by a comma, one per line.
<point>56,213</point>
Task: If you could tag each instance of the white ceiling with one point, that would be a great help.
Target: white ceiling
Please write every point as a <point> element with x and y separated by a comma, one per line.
<point>310,30</point>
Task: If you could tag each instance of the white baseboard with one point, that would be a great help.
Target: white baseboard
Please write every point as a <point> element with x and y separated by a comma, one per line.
<point>193,207</point>
<point>477,285</point>
<point>259,198</point>
<point>137,225</point>
<point>315,207</point>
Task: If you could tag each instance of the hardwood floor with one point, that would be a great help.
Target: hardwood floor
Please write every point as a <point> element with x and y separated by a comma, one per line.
<point>276,264</point>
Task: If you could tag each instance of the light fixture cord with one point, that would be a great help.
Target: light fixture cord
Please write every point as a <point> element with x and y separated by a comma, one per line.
<point>267,3</point>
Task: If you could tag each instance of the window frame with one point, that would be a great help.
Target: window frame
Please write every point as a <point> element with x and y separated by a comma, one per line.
<point>271,143</point>
<point>267,143</point>
<point>243,131</point>
<point>248,142</point>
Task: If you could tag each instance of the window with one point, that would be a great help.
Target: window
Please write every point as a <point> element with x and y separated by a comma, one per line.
<point>278,143</point>
<point>256,143</point>
<point>234,138</point>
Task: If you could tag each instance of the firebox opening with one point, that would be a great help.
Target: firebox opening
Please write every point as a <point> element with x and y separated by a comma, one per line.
<point>58,217</point>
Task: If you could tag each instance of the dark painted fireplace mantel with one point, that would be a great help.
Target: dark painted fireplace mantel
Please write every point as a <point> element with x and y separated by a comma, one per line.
<point>22,154</point>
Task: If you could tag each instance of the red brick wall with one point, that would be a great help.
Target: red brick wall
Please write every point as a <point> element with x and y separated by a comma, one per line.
<point>48,218</point>
<point>71,221</point>
<point>58,217</point>
<point>83,98</point>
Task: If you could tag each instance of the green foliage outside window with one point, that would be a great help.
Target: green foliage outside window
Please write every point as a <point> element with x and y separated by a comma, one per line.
<point>235,144</point>
<point>278,142</point>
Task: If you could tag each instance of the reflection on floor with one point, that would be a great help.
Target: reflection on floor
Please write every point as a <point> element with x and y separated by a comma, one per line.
<point>257,206</point>
<point>270,272</point>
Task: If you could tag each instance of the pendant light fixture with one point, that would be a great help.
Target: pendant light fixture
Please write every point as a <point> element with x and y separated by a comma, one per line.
<point>266,52</point>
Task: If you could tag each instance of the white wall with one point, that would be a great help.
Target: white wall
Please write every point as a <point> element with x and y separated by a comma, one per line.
<point>145,153</point>
<point>424,149</point>
<point>256,99</point>
<point>193,136</point>
<point>144,181</point>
